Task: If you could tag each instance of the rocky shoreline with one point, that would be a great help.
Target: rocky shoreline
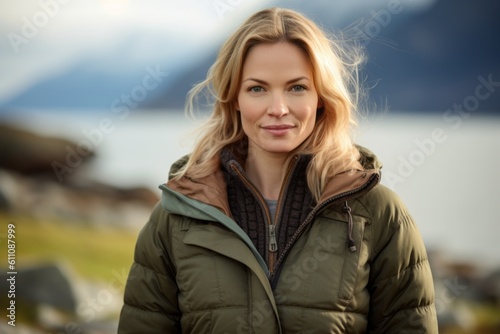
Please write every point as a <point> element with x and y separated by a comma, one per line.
<point>30,183</point>
<point>467,293</point>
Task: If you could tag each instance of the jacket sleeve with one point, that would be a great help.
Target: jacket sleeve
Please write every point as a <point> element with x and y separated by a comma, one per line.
<point>401,284</point>
<point>150,300</point>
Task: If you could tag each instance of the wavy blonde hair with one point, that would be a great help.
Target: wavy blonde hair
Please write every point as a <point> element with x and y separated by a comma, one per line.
<point>335,72</point>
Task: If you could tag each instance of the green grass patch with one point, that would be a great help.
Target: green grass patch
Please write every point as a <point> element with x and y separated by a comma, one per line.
<point>92,252</point>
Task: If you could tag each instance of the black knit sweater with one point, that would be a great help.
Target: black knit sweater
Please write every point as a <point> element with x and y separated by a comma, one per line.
<point>248,209</point>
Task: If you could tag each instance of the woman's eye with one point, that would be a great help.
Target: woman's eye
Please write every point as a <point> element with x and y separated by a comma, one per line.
<point>256,89</point>
<point>298,88</point>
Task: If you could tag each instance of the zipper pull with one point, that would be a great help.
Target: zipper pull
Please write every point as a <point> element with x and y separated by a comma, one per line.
<point>350,240</point>
<point>273,245</point>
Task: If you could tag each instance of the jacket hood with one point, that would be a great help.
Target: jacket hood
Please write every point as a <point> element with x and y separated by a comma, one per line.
<point>368,159</point>
<point>211,189</point>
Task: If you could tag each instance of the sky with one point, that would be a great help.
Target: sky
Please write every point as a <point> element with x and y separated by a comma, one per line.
<point>43,37</point>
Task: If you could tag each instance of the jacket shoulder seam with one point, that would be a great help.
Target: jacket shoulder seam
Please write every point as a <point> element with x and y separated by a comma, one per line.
<point>306,307</point>
<point>424,306</point>
<point>137,308</point>
<point>149,268</point>
<point>414,266</point>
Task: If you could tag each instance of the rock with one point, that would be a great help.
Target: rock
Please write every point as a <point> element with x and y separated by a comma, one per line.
<point>31,154</point>
<point>48,284</point>
<point>29,184</point>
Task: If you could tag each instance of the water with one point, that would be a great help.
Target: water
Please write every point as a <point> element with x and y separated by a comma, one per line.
<point>445,170</point>
<point>451,184</point>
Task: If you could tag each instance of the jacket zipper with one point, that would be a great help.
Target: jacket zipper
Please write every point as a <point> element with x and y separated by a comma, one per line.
<point>273,245</point>
<point>343,196</point>
<point>270,261</point>
<point>272,249</point>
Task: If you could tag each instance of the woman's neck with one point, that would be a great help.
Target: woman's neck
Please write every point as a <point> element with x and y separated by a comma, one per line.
<point>266,171</point>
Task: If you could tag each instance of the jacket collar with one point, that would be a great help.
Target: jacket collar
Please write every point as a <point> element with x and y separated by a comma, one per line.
<point>211,189</point>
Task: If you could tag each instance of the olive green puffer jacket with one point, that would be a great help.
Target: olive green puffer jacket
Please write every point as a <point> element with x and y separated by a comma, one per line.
<point>357,266</point>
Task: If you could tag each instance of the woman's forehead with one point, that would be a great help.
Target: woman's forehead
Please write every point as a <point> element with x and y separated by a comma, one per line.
<point>267,60</point>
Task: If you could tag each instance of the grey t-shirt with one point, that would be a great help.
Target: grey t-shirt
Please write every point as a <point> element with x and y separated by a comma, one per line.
<point>271,204</point>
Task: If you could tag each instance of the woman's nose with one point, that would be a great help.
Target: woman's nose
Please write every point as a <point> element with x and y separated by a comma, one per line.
<point>278,107</point>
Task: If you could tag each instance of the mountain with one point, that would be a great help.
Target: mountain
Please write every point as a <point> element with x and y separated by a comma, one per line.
<point>138,68</point>
<point>174,97</point>
<point>438,57</point>
<point>421,61</point>
<point>424,59</point>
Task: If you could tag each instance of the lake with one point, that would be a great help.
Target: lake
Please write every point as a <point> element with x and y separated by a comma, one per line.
<point>444,168</point>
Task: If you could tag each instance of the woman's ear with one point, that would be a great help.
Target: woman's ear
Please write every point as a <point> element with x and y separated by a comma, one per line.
<point>320,110</point>
<point>236,105</point>
<point>321,104</point>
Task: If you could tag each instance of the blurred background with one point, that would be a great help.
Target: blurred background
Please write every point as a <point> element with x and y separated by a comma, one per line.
<point>91,118</point>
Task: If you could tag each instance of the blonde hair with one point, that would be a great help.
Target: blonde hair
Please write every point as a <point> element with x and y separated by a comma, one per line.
<point>335,72</point>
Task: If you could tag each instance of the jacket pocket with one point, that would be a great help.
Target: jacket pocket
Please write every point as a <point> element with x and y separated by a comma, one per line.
<point>218,279</point>
<point>206,278</point>
<point>350,263</point>
<point>320,271</point>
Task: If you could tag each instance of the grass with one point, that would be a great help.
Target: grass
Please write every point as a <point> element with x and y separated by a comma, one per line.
<point>99,254</point>
<point>93,253</point>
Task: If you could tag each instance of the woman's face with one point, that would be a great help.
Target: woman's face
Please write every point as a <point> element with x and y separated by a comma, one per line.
<point>277,98</point>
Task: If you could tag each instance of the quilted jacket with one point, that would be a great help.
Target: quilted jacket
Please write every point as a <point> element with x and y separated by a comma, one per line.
<point>356,264</point>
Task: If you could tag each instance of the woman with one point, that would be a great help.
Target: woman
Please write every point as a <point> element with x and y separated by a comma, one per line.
<point>276,222</point>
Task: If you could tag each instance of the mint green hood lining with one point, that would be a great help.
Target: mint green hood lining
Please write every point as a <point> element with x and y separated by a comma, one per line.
<point>178,203</point>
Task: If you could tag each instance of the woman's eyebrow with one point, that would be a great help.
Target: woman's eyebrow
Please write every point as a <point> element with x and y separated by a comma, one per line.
<point>263,82</point>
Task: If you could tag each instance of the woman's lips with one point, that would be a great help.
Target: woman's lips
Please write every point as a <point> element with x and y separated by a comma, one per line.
<point>278,130</point>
